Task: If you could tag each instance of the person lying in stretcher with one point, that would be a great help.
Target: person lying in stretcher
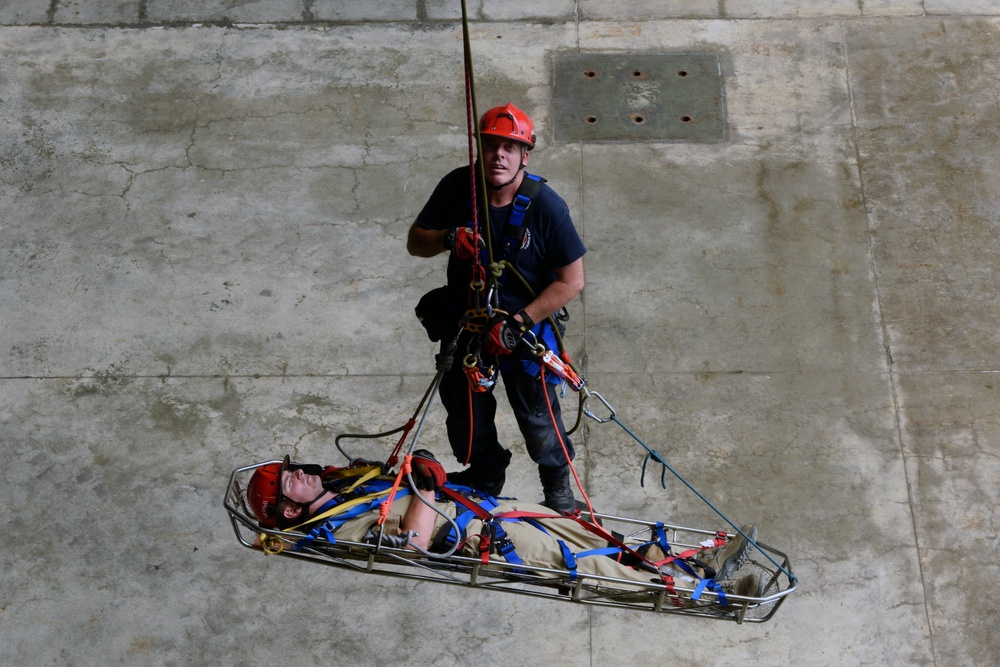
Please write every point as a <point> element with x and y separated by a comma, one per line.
<point>345,502</point>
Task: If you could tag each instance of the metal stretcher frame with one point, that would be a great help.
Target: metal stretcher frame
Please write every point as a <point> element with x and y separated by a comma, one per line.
<point>543,582</point>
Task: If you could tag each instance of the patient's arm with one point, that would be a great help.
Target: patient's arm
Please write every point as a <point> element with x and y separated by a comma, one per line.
<point>419,518</point>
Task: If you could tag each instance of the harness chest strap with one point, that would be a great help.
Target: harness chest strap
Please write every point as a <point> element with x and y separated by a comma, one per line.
<point>513,231</point>
<point>493,536</point>
<point>341,515</point>
<point>367,496</point>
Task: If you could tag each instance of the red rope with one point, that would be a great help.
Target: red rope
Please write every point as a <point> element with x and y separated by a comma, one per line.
<point>470,113</point>
<point>562,443</point>
<point>383,511</point>
<point>394,457</point>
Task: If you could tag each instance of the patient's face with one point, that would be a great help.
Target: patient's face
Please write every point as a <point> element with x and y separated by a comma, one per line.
<point>300,486</point>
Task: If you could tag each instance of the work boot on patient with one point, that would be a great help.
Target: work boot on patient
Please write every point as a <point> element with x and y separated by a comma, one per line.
<point>750,586</point>
<point>724,561</point>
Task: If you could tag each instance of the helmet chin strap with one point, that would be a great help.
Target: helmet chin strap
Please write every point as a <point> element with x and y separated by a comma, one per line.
<point>501,187</point>
<point>520,168</point>
<point>305,506</point>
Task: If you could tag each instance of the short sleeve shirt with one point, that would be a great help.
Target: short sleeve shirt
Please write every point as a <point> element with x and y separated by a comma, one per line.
<point>550,240</point>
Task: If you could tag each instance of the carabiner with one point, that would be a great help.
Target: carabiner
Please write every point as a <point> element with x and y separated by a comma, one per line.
<point>587,394</point>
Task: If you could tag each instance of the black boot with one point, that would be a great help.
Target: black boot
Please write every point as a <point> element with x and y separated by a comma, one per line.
<point>486,478</point>
<point>557,489</point>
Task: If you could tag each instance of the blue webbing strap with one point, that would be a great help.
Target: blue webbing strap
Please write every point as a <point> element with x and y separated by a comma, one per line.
<point>711,585</point>
<point>661,537</point>
<point>488,504</point>
<point>569,559</point>
<point>606,551</point>
<point>504,545</point>
<point>330,526</point>
<point>664,544</point>
<point>513,231</point>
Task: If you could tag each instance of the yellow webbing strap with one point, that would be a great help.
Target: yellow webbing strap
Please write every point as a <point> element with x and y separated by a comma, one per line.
<point>273,544</point>
<point>343,473</point>
<point>333,511</point>
<point>372,472</point>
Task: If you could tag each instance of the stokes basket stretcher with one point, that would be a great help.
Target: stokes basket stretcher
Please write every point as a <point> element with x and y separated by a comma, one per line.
<point>555,583</point>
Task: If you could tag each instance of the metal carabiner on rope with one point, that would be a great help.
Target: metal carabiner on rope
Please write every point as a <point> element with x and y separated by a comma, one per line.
<point>611,417</point>
<point>531,341</point>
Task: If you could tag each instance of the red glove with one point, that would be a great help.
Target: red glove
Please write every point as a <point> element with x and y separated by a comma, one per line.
<point>463,242</point>
<point>503,333</point>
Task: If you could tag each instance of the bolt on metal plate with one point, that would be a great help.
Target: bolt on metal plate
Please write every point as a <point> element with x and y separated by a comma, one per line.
<point>623,97</point>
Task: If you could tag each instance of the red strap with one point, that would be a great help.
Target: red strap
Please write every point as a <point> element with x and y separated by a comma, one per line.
<point>466,503</point>
<point>680,556</point>
<point>668,583</point>
<point>486,535</point>
<point>485,543</point>
<point>592,527</point>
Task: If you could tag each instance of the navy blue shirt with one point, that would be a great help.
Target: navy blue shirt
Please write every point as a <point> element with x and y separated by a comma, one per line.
<point>550,241</point>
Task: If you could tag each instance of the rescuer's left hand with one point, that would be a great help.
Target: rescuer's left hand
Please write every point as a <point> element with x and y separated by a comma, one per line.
<point>503,334</point>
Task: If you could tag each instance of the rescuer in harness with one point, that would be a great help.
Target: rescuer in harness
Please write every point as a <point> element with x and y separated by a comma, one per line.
<point>531,233</point>
<point>305,498</point>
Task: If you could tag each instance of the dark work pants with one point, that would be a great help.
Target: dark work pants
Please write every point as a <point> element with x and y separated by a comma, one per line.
<point>527,399</point>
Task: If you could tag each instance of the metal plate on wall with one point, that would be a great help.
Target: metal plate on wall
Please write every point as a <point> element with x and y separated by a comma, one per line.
<point>619,97</point>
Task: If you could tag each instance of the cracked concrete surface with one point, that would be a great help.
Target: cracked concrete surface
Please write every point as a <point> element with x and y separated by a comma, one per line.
<point>204,208</point>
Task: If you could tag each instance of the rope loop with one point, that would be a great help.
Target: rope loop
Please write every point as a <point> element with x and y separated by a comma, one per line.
<point>497,268</point>
<point>271,544</point>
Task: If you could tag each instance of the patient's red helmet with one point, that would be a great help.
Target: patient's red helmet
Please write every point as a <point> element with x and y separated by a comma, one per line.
<point>264,492</point>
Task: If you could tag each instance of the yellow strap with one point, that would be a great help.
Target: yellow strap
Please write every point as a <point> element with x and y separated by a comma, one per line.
<point>353,472</point>
<point>333,511</point>
<point>374,472</point>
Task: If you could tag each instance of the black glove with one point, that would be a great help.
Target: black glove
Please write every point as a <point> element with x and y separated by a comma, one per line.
<point>503,333</point>
<point>427,472</point>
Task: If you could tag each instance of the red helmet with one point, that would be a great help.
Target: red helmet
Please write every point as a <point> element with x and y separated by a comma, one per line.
<point>264,492</point>
<point>508,122</point>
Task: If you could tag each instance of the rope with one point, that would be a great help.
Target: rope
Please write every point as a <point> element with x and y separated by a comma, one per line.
<point>656,456</point>
<point>477,177</point>
<point>562,443</point>
<point>405,428</point>
<point>383,511</point>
